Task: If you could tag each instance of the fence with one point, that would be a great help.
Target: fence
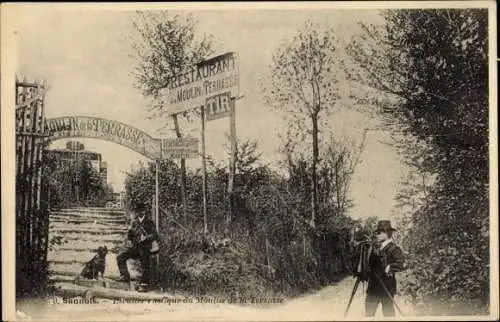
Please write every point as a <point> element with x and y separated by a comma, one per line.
<point>32,216</point>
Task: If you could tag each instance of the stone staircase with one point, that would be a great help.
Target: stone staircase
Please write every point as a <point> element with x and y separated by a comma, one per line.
<point>81,231</point>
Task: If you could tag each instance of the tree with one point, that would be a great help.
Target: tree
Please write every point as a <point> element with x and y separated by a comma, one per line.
<point>92,187</point>
<point>339,161</point>
<point>435,63</point>
<point>63,176</point>
<point>165,47</point>
<point>303,84</point>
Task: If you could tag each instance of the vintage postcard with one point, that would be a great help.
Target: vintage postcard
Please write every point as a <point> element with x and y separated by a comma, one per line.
<point>247,161</point>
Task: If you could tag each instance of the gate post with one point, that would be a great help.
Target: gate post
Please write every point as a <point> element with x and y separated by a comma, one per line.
<point>31,213</point>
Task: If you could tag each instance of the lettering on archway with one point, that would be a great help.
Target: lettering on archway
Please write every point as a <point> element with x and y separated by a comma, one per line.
<point>109,130</point>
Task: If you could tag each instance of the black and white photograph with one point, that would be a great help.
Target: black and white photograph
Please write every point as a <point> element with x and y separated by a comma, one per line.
<point>249,161</point>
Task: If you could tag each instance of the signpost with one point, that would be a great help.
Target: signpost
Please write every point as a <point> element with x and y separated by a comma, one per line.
<point>204,172</point>
<point>157,208</point>
<point>212,86</point>
<point>183,172</point>
<point>232,161</point>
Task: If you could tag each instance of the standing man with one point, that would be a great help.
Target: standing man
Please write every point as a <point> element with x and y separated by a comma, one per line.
<point>386,259</point>
<point>141,234</point>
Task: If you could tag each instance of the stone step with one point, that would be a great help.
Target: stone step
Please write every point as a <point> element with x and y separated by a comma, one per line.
<point>71,278</point>
<point>82,220</point>
<point>68,262</point>
<point>62,278</point>
<point>91,231</point>
<point>106,282</point>
<point>77,256</point>
<point>93,216</point>
<point>83,210</point>
<point>75,272</point>
<point>87,220</point>
<point>70,256</point>
<point>92,246</point>
<point>89,210</point>
<point>91,225</point>
<point>70,238</point>
<point>74,269</point>
<point>111,264</point>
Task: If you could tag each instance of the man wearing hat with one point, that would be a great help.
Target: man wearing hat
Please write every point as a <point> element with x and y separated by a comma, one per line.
<point>386,259</point>
<point>141,235</point>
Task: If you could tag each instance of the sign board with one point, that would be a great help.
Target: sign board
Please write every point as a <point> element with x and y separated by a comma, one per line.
<point>75,146</point>
<point>218,106</point>
<point>98,128</point>
<point>179,148</point>
<point>209,78</point>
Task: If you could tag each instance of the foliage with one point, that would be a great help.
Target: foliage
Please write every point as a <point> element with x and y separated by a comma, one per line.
<point>73,182</point>
<point>435,62</point>
<point>303,83</point>
<point>268,249</point>
<point>165,46</point>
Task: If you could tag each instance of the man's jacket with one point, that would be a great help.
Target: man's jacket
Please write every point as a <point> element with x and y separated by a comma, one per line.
<point>390,255</point>
<point>144,228</point>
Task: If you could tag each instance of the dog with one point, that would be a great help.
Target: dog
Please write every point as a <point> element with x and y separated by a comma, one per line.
<point>94,268</point>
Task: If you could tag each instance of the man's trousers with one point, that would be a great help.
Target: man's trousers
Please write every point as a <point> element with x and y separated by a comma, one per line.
<point>135,253</point>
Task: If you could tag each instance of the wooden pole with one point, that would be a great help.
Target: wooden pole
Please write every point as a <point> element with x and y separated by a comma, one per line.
<point>204,172</point>
<point>156,194</point>
<point>31,183</point>
<point>183,173</point>
<point>232,162</point>
<point>157,209</point>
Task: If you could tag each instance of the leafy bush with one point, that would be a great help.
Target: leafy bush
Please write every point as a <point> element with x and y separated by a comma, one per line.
<point>434,64</point>
<point>269,247</point>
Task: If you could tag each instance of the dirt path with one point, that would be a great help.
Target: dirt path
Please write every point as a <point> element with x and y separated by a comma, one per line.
<point>327,304</point>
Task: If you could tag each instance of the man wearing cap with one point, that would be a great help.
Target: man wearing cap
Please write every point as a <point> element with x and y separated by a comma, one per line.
<point>385,261</point>
<point>141,234</point>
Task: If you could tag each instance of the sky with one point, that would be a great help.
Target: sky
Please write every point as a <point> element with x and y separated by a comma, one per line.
<point>84,55</point>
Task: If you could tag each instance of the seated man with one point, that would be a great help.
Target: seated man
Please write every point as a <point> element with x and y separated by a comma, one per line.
<point>141,234</point>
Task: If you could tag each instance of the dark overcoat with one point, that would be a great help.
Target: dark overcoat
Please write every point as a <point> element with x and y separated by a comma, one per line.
<point>391,255</point>
<point>146,227</point>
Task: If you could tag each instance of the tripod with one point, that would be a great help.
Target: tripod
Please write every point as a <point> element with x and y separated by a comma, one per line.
<point>355,288</point>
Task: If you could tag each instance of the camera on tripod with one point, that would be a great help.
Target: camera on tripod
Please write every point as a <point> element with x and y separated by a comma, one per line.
<point>361,261</point>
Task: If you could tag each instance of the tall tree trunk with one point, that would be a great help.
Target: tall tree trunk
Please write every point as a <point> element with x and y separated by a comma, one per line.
<point>314,179</point>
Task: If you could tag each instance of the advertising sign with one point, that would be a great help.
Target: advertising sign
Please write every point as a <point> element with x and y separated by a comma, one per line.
<point>217,106</point>
<point>209,78</point>
<point>179,148</point>
<point>99,128</point>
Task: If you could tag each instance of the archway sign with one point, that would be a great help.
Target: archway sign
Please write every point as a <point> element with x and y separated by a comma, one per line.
<point>125,135</point>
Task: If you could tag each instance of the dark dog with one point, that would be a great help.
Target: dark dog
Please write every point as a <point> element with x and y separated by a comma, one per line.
<point>96,265</point>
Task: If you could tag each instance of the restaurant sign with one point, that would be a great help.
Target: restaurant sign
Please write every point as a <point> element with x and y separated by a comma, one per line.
<point>209,78</point>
